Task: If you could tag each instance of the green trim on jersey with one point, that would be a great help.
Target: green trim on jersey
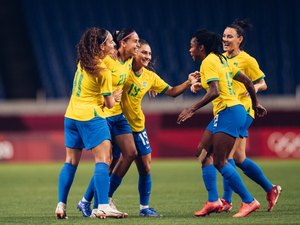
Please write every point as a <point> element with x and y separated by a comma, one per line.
<point>137,75</point>
<point>236,74</point>
<point>165,89</point>
<point>122,62</point>
<point>213,79</point>
<point>106,94</point>
<point>257,80</point>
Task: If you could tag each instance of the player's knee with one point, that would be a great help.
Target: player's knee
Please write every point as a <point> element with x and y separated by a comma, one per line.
<point>200,150</point>
<point>239,158</point>
<point>219,163</point>
<point>148,168</point>
<point>130,155</point>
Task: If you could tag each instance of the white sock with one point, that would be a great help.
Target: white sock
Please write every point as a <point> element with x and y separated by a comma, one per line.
<point>84,200</point>
<point>144,207</point>
<point>62,204</point>
<point>103,206</point>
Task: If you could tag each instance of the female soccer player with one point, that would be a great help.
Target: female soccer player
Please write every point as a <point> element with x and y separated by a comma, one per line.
<point>138,83</point>
<point>141,79</point>
<point>233,43</point>
<point>127,43</point>
<point>85,124</point>
<point>229,115</point>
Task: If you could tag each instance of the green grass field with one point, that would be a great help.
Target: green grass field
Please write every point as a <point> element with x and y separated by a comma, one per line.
<point>29,193</point>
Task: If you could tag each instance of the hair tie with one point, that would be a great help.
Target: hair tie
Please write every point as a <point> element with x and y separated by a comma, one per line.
<point>127,36</point>
<point>106,32</point>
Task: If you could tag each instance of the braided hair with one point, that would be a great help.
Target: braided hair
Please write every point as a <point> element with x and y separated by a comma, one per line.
<point>212,42</point>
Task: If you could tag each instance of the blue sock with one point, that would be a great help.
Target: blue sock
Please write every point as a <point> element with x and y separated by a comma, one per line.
<point>115,182</point>
<point>101,180</point>
<point>235,182</point>
<point>65,181</point>
<point>254,172</point>
<point>227,195</point>
<point>209,176</point>
<point>89,194</point>
<point>145,184</point>
<point>95,200</point>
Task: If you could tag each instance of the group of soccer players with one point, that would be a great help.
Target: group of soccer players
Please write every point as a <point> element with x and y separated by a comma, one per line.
<point>104,115</point>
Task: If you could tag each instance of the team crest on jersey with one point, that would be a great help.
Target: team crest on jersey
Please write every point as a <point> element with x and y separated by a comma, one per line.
<point>145,84</point>
<point>235,63</point>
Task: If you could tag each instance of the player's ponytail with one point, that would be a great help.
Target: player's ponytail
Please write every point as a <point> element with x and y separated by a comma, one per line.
<point>240,27</point>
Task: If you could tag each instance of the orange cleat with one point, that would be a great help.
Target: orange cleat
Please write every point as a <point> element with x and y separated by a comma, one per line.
<point>209,207</point>
<point>226,207</point>
<point>272,196</point>
<point>247,208</point>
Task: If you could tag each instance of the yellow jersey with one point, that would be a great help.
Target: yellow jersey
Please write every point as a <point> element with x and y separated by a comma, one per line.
<point>87,99</point>
<point>249,66</point>
<point>134,90</point>
<point>212,69</point>
<point>119,71</point>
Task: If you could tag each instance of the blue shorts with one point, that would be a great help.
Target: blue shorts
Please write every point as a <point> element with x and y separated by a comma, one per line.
<point>118,125</point>
<point>245,127</point>
<point>229,121</point>
<point>85,134</point>
<point>141,142</point>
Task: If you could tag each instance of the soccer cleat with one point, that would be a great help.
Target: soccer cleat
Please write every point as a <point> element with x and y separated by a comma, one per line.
<point>94,213</point>
<point>272,196</point>
<point>226,207</point>
<point>112,204</point>
<point>103,213</point>
<point>84,207</point>
<point>149,212</point>
<point>247,208</point>
<point>209,207</point>
<point>60,211</point>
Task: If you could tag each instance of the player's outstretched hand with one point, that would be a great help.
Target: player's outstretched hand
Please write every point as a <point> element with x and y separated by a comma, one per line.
<point>185,114</point>
<point>260,110</point>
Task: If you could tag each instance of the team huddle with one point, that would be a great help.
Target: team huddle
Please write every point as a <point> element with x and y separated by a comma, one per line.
<point>104,115</point>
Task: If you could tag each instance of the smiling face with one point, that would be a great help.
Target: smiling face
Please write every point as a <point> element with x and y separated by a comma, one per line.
<point>231,40</point>
<point>143,56</point>
<point>131,45</point>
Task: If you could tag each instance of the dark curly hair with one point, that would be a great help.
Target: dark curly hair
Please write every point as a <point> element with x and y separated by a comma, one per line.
<point>88,49</point>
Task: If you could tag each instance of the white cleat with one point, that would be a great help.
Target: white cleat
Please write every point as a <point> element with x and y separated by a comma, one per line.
<point>112,204</point>
<point>103,213</point>
<point>60,211</point>
<point>94,213</point>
